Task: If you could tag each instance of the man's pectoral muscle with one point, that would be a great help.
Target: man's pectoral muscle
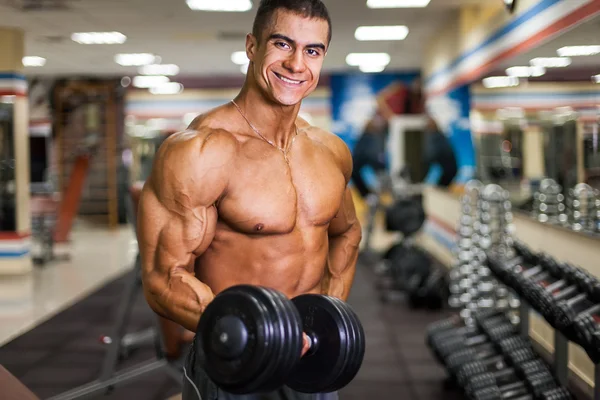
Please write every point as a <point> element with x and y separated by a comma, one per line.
<point>344,240</point>
<point>177,222</point>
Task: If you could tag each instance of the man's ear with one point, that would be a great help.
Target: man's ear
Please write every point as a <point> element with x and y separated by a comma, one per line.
<point>251,46</point>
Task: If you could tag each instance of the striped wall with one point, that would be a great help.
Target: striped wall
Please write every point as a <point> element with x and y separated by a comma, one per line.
<point>541,21</point>
<point>142,105</point>
<point>13,84</point>
<point>538,96</point>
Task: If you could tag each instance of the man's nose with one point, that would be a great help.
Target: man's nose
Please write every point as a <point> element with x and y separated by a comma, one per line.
<point>295,62</point>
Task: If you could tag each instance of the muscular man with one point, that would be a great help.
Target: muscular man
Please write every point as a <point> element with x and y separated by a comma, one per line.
<point>250,193</point>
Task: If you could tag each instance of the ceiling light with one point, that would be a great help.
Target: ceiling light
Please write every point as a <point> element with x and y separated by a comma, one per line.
<point>551,62</point>
<point>397,3</point>
<point>364,59</point>
<point>525,72</point>
<point>159,69</point>
<point>574,51</point>
<point>239,57</point>
<point>220,5</point>
<point>500,81</point>
<point>244,68</point>
<point>135,59</point>
<point>33,61</point>
<point>596,78</point>
<point>149,81</point>
<point>167,88</point>
<point>371,68</point>
<point>99,37</point>
<point>397,32</point>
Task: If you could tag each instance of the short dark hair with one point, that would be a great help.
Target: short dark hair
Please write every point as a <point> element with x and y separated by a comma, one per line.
<point>305,8</point>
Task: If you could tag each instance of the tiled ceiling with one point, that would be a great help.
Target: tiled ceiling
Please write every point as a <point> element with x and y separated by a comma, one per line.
<point>199,42</point>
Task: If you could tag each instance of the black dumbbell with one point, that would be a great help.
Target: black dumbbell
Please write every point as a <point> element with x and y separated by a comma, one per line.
<point>560,393</point>
<point>490,353</point>
<point>493,335</point>
<point>252,337</point>
<point>532,387</point>
<point>587,328</point>
<point>495,363</point>
<point>505,375</point>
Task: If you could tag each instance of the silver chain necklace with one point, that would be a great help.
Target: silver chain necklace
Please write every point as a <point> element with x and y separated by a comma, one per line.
<point>283,151</point>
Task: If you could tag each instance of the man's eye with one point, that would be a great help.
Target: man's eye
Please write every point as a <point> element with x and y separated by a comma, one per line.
<point>313,52</point>
<point>283,45</point>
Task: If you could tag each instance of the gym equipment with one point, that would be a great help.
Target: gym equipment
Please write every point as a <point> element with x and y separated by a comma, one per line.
<point>497,373</point>
<point>549,203</point>
<point>465,363</point>
<point>583,208</point>
<point>448,345</point>
<point>252,339</point>
<point>119,343</point>
<point>406,215</point>
<point>534,384</point>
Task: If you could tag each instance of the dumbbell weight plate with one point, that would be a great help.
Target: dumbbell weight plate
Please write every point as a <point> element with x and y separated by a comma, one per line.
<point>322,368</point>
<point>292,347</point>
<point>357,351</point>
<point>557,394</point>
<point>238,338</point>
<point>586,327</point>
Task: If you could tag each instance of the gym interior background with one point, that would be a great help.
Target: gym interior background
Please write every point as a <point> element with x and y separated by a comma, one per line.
<point>500,268</point>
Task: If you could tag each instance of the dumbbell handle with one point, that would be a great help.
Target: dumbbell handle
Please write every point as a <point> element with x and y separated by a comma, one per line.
<point>313,343</point>
<point>566,292</point>
<point>475,340</point>
<point>555,286</point>
<point>592,310</point>
<point>577,299</point>
<point>528,273</point>
<point>508,390</point>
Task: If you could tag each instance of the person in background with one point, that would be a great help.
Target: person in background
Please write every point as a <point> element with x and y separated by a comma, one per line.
<point>369,151</point>
<point>438,151</point>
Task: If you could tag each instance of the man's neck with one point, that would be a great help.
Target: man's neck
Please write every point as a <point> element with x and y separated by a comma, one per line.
<point>274,122</point>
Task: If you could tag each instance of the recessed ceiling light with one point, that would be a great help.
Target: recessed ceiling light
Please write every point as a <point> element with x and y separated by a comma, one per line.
<point>239,57</point>
<point>574,51</point>
<point>500,81</point>
<point>220,5</point>
<point>551,62</point>
<point>149,81</point>
<point>167,88</point>
<point>33,61</point>
<point>366,59</point>
<point>99,37</point>
<point>397,3</point>
<point>394,32</point>
<point>371,68</point>
<point>135,59</point>
<point>159,69</point>
<point>525,72</point>
<point>596,78</point>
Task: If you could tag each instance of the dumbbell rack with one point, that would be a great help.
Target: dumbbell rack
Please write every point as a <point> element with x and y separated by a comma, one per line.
<point>560,361</point>
<point>485,223</point>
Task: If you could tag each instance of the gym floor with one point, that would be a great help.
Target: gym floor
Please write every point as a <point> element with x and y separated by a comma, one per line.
<point>63,351</point>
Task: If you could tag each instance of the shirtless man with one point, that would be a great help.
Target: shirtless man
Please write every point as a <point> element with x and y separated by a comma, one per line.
<point>250,193</point>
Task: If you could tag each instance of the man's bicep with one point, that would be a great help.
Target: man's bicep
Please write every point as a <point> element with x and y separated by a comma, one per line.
<point>345,218</point>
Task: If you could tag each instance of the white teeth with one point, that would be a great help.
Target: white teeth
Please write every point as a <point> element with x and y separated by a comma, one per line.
<point>289,80</point>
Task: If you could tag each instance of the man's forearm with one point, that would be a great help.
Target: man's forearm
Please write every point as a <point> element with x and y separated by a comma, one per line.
<point>343,254</point>
<point>182,300</point>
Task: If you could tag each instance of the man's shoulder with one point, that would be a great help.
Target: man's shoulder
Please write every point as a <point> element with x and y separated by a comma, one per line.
<point>198,144</point>
<point>334,143</point>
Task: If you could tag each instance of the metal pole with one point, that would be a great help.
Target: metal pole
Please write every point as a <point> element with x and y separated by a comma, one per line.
<point>524,319</point>
<point>597,382</point>
<point>561,358</point>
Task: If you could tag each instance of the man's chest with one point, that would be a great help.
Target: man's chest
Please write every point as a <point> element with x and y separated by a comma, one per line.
<point>269,195</point>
